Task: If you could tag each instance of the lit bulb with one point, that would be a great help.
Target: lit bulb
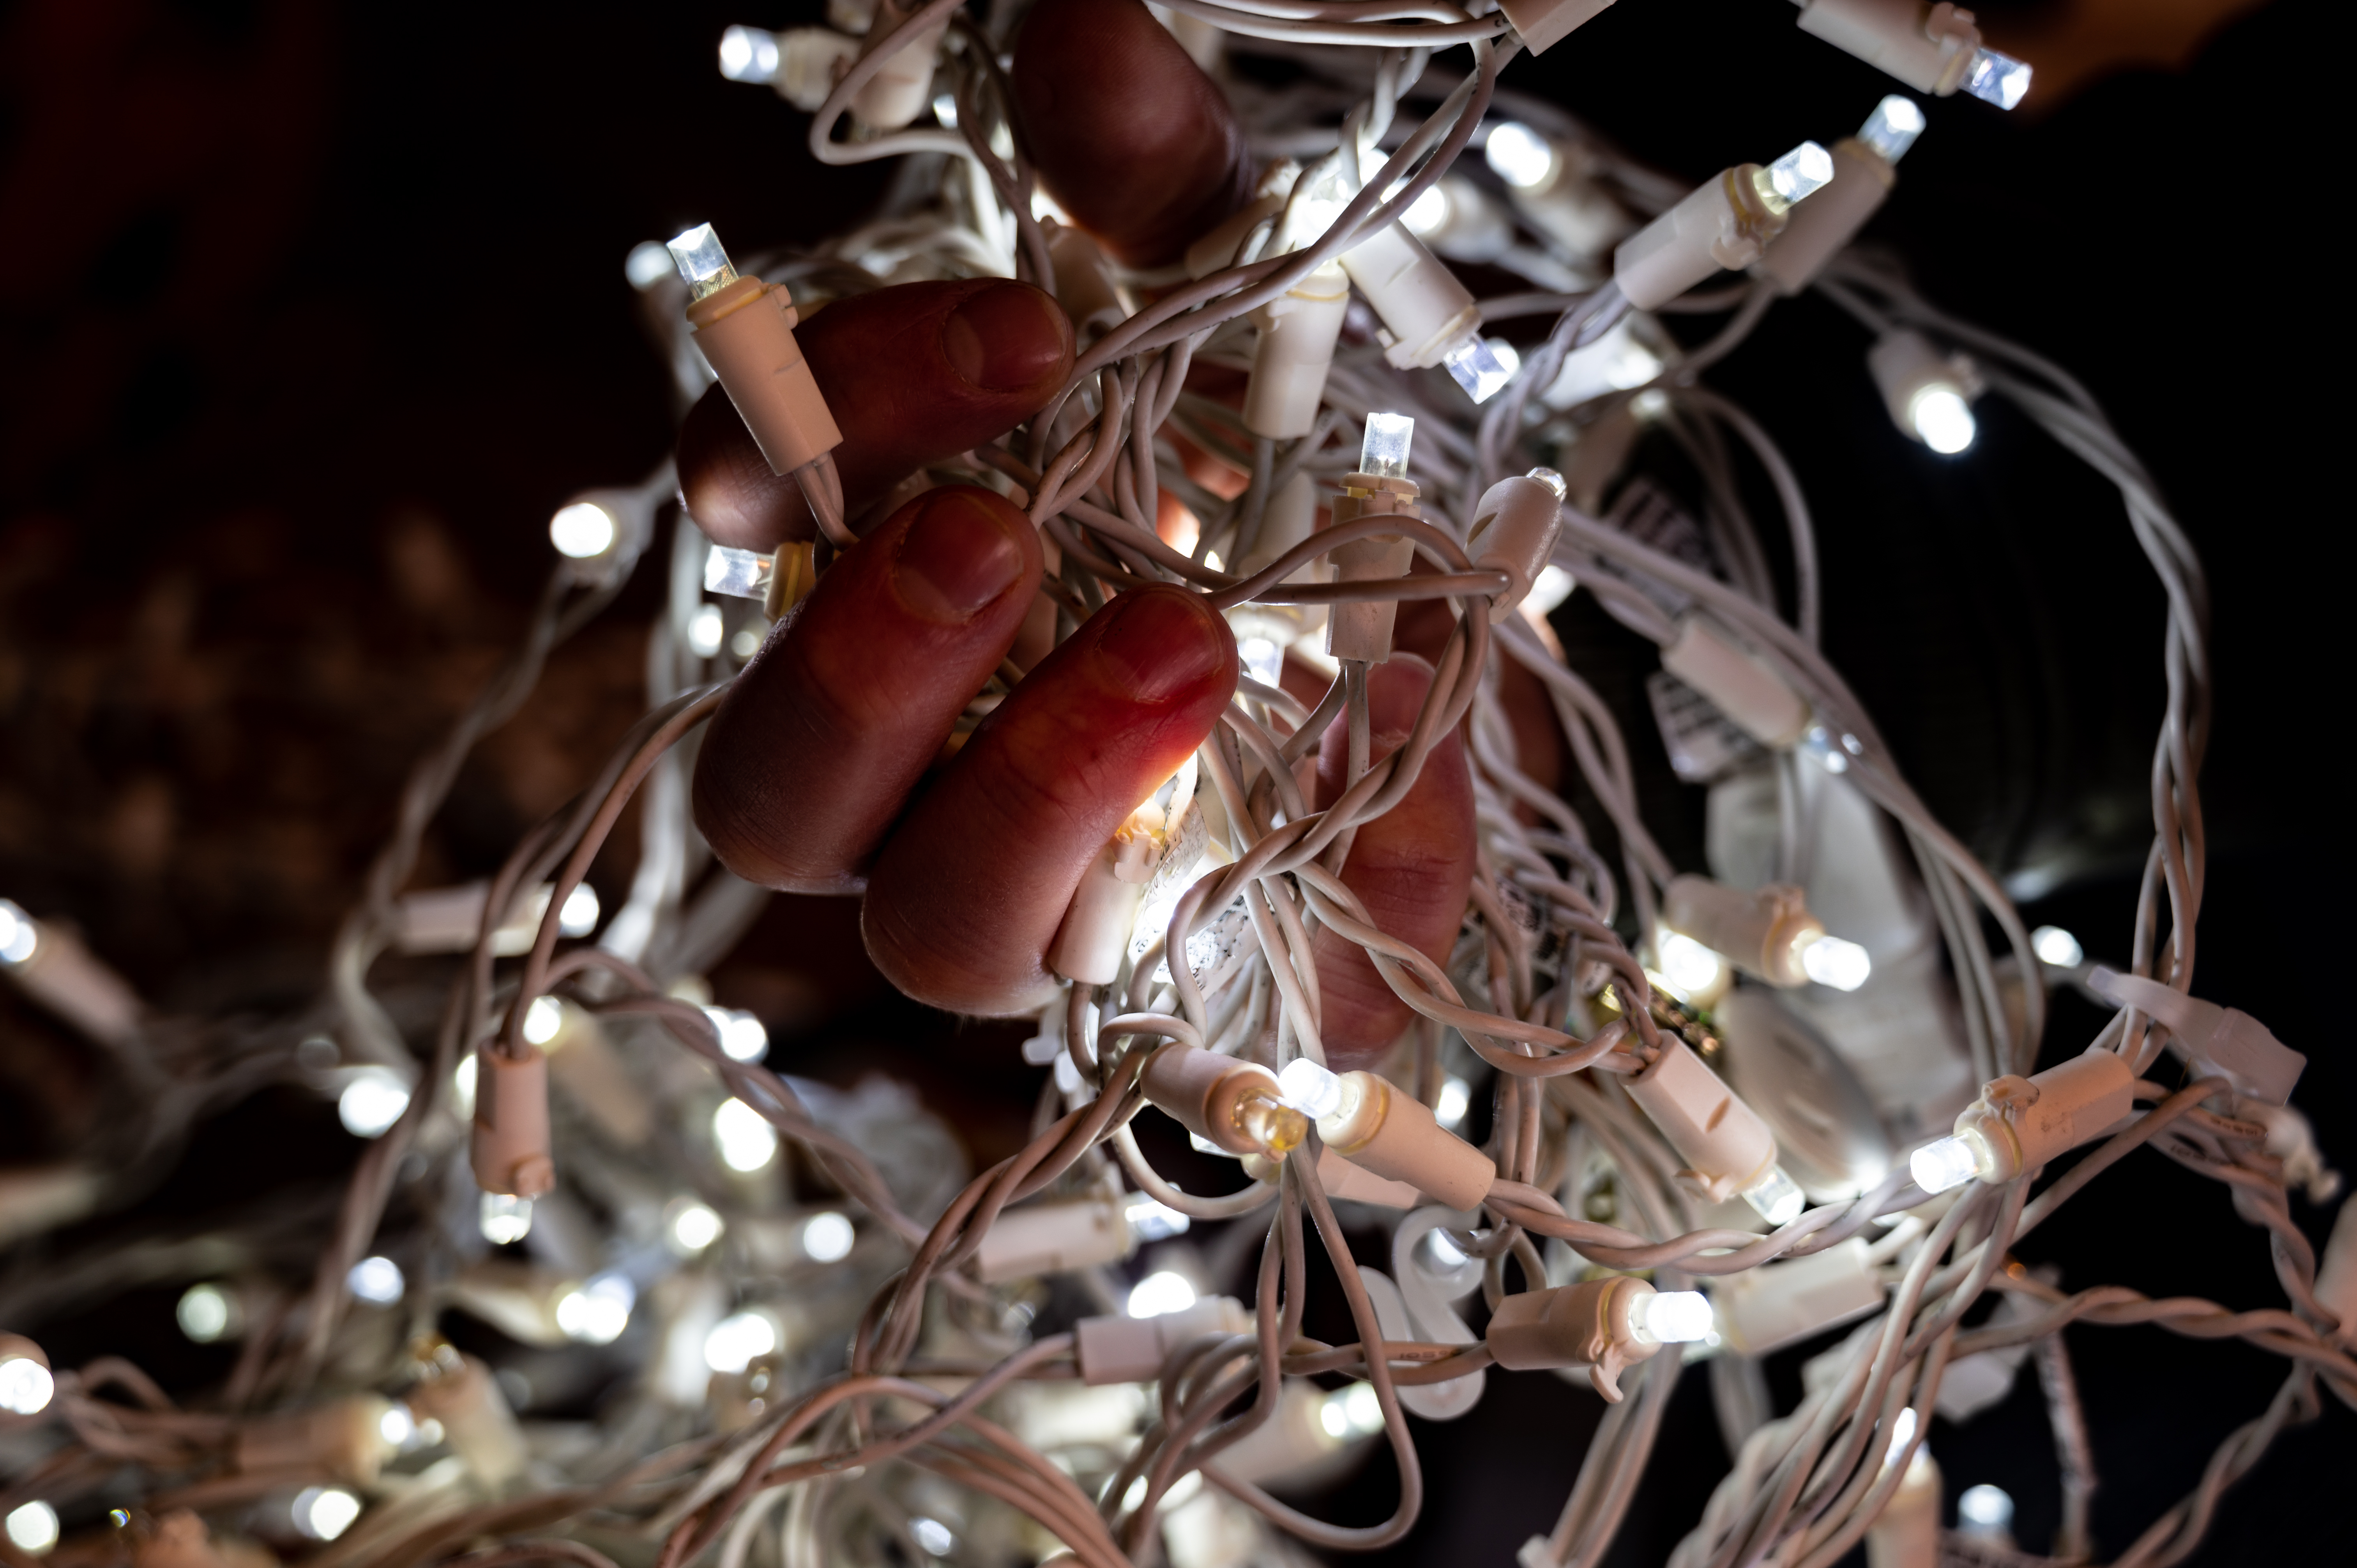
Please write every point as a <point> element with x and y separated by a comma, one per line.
<point>934,1536</point>
<point>18,937</point>
<point>694,1226</point>
<point>1428,212</point>
<point>1263,660</point>
<point>1150,1220</point>
<point>1352,1412</point>
<point>702,261</point>
<point>597,1313</point>
<point>1830,960</point>
<point>324,1513</point>
<point>376,1281</point>
<point>25,1386</point>
<point>1159,1293</point>
<point>1776,1198</point>
<point>1676,1316</point>
<point>1310,1087</point>
<point>1801,173</point>
<point>945,109</point>
<point>578,918</point>
<point>1456,1100</point>
<point>1997,79</point>
<point>371,1101</point>
<point>1942,420</point>
<point>462,1087</point>
<point>206,1314</point>
<point>1553,586</point>
<point>1687,964</point>
<point>397,1426</point>
<point>1943,1163</point>
<point>505,1218</point>
<point>749,53</point>
<point>33,1528</point>
<point>736,1341</point>
<point>1382,452</point>
<point>1477,367</point>
<point>1892,128</point>
<point>1985,1511</point>
<point>543,1019</point>
<point>742,1037</point>
<point>827,1238</point>
<point>2057,948</point>
<point>743,1135</point>
<point>583,530</point>
<point>647,265</point>
<point>1519,155</point>
<point>1902,1433</point>
<point>703,631</point>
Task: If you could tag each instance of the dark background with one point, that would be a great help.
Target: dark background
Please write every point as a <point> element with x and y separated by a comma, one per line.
<point>310,315</point>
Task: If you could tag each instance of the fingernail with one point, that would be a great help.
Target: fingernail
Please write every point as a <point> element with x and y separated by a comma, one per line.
<point>1156,644</point>
<point>1006,338</point>
<point>955,558</point>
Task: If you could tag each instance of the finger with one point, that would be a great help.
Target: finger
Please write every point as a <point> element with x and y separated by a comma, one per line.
<point>1128,137</point>
<point>832,723</point>
<point>913,375</point>
<point>965,899</point>
<point>1411,866</point>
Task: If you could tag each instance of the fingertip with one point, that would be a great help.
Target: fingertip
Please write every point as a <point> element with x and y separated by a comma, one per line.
<point>959,552</point>
<point>1008,337</point>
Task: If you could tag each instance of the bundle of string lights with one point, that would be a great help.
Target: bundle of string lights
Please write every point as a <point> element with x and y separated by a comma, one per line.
<point>1725,1114</point>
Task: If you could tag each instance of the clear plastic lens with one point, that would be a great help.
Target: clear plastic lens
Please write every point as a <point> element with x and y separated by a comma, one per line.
<point>1511,360</point>
<point>743,1135</point>
<point>1942,420</point>
<point>1676,1317</point>
<point>1805,170</point>
<point>19,935</point>
<point>583,530</point>
<point>207,1313</point>
<point>2056,947</point>
<point>1153,1221</point>
<point>737,1342</point>
<point>598,1312</point>
<point>579,916</point>
<point>1456,1100</point>
<point>648,264</point>
<point>749,53</point>
<point>1310,1088</point>
<point>33,1528</point>
<point>1263,660</point>
<point>371,1101</point>
<point>1943,1163</point>
<point>1687,965</point>
<point>933,1536</point>
<point>1428,213</point>
<point>1477,368</point>
<point>827,1238</point>
<point>1997,79</point>
<point>945,109</point>
<point>692,1227</point>
<point>1984,1510</point>
<point>1352,1412</point>
<point>25,1386</point>
<point>1830,960</point>
<point>1553,586</point>
<point>377,1280</point>
<point>505,1218</point>
<point>701,261</point>
<point>742,1037</point>
<point>1161,1292</point>
<point>1775,1197</point>
<point>1519,155</point>
<point>543,1019</point>
<point>1892,128</point>
<point>739,574</point>
<point>1384,452</point>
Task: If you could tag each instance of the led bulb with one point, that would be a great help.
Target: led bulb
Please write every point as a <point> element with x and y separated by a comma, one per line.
<point>827,1238</point>
<point>1805,170</point>
<point>736,1341</point>
<point>1687,964</point>
<point>1161,1292</point>
<point>1382,453</point>
<point>1997,79</point>
<point>18,934</point>
<point>749,53</point>
<point>505,1218</point>
<point>1269,1122</point>
<point>578,918</point>
<point>25,1386</point>
<point>543,1019</point>
<point>1843,965</point>
<point>739,574</point>
<point>1352,1412</point>
<point>583,530</point>
<point>743,1135</point>
<point>1428,212</point>
<point>1150,1220</point>
<point>1943,1163</point>
<point>648,264</point>
<point>1892,128</point>
<point>1985,1511</point>
<point>1674,1317</point>
<point>702,264</point>
<point>376,1281</point>
<point>706,630</point>
<point>1476,366</point>
<point>1776,1198</point>
<point>597,1313</point>
<point>692,1227</point>
<point>935,1537</point>
<point>1456,1099</point>
<point>371,1101</point>
<point>1519,155</point>
<point>1942,420</point>
<point>33,1528</point>
<point>324,1513</point>
<point>1902,1433</point>
<point>1263,660</point>
<point>742,1037</point>
<point>2057,948</point>
<point>1310,1088</point>
<point>207,1313</point>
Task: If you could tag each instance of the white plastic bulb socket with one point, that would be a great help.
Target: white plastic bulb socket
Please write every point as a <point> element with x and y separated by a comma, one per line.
<point>1865,171</point>
<point>1239,1106</point>
<point>1727,1148</point>
<point>1428,317</point>
<point>1095,939</point>
<point>1754,698</point>
<point>1542,24</point>
<point>1932,48</point>
<point>1725,222</point>
<point>1764,1309</point>
<point>1132,1348</point>
<point>1603,1324</point>
<point>1515,525</point>
<point>902,87</point>
<point>1929,394</point>
<point>1297,333</point>
<point>2214,1040</point>
<point>509,1148</point>
<point>1035,1238</point>
<point>746,330</point>
<point>1767,931</point>
<point>1380,1129</point>
<point>2019,1124</point>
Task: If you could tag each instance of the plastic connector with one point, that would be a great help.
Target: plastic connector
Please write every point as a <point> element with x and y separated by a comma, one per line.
<point>2223,1041</point>
<point>1379,1128</point>
<point>1754,698</point>
<point>903,88</point>
<point>1605,1325</point>
<point>1113,1349</point>
<point>1084,285</point>
<point>1514,529</point>
<point>1363,631</point>
<point>1542,24</point>
<point>1933,49</point>
<point>1427,313</point>
<point>475,1418</point>
<point>510,1150</point>
<point>27,1383</point>
<point>1234,1104</point>
<point>1765,932</point>
<point>811,60</point>
<point>1726,1146</point>
<point>746,329</point>
<point>1295,349</point>
<point>1776,1305</point>
<point>1342,1180</point>
<point>1725,222</point>
<point>1051,1238</point>
<point>1865,172</point>
<point>1929,395</point>
<point>346,1438</point>
<point>2019,1124</point>
<point>49,962</point>
<point>1094,936</point>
